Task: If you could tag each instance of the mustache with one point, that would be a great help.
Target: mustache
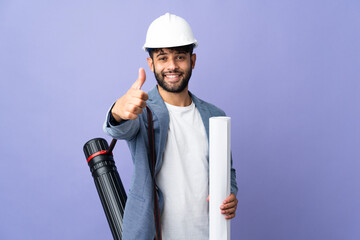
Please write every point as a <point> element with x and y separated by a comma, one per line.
<point>175,71</point>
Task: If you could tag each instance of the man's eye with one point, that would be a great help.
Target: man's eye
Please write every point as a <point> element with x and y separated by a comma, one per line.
<point>180,57</point>
<point>162,59</point>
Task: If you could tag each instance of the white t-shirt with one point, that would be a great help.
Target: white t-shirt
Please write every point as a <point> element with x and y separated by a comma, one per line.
<point>184,176</point>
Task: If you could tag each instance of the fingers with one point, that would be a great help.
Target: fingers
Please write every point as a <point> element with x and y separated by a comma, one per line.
<point>229,206</point>
<point>132,108</point>
<point>230,216</point>
<point>133,113</point>
<point>228,210</point>
<point>138,94</point>
<point>140,80</point>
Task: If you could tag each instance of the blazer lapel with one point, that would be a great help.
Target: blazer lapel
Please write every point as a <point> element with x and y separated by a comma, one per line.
<point>161,122</point>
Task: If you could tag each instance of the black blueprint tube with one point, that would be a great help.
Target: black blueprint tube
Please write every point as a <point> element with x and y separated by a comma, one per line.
<point>108,183</point>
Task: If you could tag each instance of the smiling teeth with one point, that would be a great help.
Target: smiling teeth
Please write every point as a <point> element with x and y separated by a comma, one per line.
<point>172,76</point>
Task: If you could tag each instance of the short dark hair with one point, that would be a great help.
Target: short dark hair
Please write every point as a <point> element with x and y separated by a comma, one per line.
<point>187,48</point>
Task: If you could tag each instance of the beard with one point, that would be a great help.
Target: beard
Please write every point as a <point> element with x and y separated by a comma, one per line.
<point>174,88</point>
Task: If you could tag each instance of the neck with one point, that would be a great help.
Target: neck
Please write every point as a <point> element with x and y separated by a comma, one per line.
<point>181,99</point>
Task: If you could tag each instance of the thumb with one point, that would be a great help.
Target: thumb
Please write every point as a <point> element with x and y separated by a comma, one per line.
<point>141,79</point>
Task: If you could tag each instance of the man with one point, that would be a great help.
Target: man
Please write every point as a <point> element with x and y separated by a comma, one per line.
<point>181,127</point>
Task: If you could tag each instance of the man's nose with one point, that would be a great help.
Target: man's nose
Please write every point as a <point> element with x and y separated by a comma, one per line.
<point>171,64</point>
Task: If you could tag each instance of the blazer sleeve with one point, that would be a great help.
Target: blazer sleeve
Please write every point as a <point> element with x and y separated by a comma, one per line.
<point>125,130</point>
<point>233,187</point>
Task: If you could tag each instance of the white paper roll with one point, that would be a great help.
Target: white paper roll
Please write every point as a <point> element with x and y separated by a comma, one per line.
<point>219,176</point>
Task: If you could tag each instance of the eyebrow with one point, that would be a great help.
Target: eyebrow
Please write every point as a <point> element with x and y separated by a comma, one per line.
<point>177,52</point>
<point>161,53</point>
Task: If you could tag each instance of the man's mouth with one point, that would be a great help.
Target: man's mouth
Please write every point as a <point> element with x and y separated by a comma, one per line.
<point>172,77</point>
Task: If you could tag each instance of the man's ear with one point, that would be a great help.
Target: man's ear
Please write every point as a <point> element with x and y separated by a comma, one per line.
<point>193,60</point>
<point>151,63</point>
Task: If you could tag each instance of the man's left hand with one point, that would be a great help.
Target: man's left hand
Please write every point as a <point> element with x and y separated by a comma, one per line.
<point>229,206</point>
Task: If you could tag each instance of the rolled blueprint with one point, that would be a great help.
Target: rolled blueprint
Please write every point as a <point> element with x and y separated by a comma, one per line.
<point>219,176</point>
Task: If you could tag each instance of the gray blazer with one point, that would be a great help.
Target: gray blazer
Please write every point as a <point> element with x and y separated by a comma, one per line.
<point>138,221</point>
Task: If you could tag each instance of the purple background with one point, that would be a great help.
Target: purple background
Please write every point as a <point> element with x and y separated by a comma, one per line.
<point>287,72</point>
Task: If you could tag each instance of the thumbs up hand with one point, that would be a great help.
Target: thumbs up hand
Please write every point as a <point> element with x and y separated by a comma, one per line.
<point>132,103</point>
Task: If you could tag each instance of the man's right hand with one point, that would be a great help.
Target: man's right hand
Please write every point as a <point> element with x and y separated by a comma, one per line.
<point>132,103</point>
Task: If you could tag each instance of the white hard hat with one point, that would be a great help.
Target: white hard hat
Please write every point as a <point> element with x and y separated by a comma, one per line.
<point>168,31</point>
